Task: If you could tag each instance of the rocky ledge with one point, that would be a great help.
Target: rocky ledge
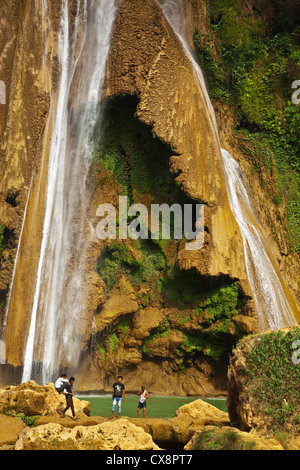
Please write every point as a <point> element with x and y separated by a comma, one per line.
<point>195,425</point>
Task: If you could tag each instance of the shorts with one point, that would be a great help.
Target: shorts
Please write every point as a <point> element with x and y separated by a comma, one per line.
<point>142,404</point>
<point>117,400</point>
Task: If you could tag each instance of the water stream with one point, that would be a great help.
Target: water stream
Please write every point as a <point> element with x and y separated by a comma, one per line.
<point>59,298</point>
<point>272,306</point>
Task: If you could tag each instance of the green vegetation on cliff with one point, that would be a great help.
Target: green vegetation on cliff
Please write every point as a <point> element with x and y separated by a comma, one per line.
<point>272,378</point>
<point>250,60</point>
<point>203,314</point>
<point>140,264</point>
<point>28,420</point>
<point>137,158</point>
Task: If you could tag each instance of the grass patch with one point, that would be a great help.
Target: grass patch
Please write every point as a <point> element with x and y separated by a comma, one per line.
<point>28,420</point>
<point>221,439</point>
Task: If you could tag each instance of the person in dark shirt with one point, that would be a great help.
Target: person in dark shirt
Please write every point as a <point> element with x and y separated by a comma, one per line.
<point>68,390</point>
<point>118,395</point>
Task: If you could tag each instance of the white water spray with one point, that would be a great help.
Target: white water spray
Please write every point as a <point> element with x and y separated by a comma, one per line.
<point>272,306</point>
<point>59,299</point>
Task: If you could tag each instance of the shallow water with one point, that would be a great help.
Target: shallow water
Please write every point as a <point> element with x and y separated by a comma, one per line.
<point>157,406</point>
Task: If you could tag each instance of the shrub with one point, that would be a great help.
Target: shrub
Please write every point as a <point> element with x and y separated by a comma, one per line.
<point>221,439</point>
<point>273,377</point>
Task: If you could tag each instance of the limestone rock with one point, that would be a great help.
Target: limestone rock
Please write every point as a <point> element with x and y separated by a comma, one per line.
<point>68,422</point>
<point>196,415</point>
<point>163,431</point>
<point>112,435</point>
<point>154,315</point>
<point>10,428</point>
<point>246,441</point>
<point>33,399</point>
<point>177,431</point>
<point>148,59</point>
<point>245,323</point>
<point>122,300</point>
<point>204,413</point>
<point>160,379</point>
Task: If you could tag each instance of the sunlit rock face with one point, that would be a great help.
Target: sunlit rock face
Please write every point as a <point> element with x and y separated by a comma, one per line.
<point>148,59</point>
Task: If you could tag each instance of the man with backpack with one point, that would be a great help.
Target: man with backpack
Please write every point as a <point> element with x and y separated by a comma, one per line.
<point>69,398</point>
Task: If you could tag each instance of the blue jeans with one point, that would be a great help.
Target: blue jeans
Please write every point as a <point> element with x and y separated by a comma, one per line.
<point>118,401</point>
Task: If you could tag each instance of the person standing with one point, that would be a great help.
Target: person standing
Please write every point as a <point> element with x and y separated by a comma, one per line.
<point>68,390</point>
<point>143,394</point>
<point>118,395</point>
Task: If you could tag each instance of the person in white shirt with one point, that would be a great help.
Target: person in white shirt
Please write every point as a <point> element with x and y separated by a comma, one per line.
<point>143,394</point>
<point>60,383</point>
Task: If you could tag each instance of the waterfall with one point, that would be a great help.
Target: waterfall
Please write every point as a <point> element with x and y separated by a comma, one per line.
<point>272,304</point>
<point>273,308</point>
<point>59,300</point>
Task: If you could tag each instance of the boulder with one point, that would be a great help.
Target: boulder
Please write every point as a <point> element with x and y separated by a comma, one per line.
<point>176,432</point>
<point>10,428</point>
<point>163,432</point>
<point>33,399</point>
<point>68,422</point>
<point>203,413</point>
<point>122,300</point>
<point>230,438</point>
<point>111,435</point>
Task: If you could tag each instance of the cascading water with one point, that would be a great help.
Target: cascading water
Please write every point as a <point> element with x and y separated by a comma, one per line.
<point>59,300</point>
<point>270,299</point>
<point>272,306</point>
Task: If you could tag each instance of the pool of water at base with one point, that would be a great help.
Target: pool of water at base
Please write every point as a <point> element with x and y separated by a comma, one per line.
<point>157,406</point>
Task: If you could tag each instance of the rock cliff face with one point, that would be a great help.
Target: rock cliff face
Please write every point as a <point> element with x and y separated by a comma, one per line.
<point>155,312</point>
<point>169,99</point>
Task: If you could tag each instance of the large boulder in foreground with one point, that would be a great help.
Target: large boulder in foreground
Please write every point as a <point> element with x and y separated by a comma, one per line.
<point>203,413</point>
<point>33,399</point>
<point>111,435</point>
<point>194,416</point>
<point>10,428</point>
<point>264,383</point>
